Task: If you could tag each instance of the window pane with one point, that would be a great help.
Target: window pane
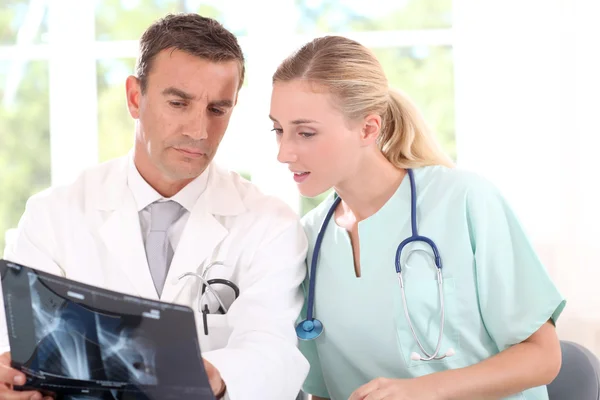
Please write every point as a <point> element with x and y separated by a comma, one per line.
<point>24,137</point>
<point>115,125</point>
<point>127,19</point>
<point>426,75</point>
<point>23,21</point>
<point>359,15</point>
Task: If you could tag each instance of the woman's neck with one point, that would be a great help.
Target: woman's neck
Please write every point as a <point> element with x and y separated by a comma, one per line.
<point>366,191</point>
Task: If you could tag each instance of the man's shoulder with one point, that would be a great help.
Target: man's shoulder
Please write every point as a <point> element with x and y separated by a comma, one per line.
<point>90,180</point>
<point>256,203</point>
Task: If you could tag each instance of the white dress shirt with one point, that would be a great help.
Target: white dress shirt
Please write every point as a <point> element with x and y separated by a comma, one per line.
<point>144,195</point>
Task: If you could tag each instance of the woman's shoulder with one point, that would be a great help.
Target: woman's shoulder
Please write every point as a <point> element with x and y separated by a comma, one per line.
<point>453,184</point>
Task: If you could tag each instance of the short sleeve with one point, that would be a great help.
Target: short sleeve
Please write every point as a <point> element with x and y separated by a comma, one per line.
<point>515,292</point>
<point>314,383</point>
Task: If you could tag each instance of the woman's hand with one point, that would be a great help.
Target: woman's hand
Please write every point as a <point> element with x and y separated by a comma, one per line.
<point>394,389</point>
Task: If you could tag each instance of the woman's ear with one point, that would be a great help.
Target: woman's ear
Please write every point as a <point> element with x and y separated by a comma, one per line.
<point>371,128</point>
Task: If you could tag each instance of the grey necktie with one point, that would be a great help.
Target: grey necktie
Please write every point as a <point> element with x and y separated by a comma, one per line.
<point>159,251</point>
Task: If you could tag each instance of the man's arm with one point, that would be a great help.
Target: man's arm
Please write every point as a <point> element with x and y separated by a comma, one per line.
<point>33,246</point>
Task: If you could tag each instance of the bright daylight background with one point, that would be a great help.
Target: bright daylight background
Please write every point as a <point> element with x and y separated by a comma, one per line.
<point>510,87</point>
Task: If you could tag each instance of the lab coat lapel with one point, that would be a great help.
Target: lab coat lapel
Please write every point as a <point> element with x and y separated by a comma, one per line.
<point>203,232</point>
<point>121,233</point>
<point>200,237</point>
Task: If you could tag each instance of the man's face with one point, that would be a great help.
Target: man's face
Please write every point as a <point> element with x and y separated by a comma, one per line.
<point>183,114</point>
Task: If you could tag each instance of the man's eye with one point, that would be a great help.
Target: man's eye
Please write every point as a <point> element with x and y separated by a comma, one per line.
<point>216,111</point>
<point>177,104</point>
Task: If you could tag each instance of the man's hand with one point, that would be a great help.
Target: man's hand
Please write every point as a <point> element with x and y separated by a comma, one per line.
<point>10,377</point>
<point>214,378</point>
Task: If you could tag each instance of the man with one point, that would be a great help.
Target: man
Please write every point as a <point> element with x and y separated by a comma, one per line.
<point>100,230</point>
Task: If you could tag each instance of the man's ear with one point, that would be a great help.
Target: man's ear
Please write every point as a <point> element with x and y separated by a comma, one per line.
<point>371,127</point>
<point>134,93</point>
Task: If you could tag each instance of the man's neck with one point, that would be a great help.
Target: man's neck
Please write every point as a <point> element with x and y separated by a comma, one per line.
<point>157,180</point>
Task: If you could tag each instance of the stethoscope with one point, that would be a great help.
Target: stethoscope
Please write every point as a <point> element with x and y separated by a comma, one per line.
<point>207,288</point>
<point>311,328</point>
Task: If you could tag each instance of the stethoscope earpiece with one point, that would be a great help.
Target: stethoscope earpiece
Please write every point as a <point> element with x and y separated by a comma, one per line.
<point>309,330</point>
<point>417,357</point>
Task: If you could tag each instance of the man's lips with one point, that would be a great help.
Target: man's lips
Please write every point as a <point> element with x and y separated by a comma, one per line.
<point>190,152</point>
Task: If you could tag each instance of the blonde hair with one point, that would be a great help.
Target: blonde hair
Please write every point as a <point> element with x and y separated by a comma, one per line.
<point>354,76</point>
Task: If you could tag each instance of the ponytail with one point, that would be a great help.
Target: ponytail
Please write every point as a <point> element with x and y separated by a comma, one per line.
<point>405,138</point>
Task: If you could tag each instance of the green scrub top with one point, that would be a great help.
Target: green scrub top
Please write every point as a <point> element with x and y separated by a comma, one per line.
<point>497,292</point>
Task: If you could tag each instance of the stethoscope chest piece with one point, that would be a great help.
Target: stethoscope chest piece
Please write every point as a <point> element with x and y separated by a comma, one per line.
<point>309,330</point>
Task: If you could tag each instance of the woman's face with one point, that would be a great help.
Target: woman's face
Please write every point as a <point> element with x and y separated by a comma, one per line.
<point>316,141</point>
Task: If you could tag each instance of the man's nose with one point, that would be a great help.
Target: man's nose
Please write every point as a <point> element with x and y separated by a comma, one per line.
<point>197,127</point>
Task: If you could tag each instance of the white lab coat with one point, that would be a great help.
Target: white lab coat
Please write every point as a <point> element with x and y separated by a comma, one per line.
<point>90,232</point>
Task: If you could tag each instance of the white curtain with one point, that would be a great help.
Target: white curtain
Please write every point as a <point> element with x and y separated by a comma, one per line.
<point>527,117</point>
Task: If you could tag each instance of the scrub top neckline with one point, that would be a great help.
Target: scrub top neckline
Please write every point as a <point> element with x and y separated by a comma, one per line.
<point>397,196</point>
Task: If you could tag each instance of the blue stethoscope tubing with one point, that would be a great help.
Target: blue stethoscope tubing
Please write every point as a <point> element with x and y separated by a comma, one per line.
<point>311,328</point>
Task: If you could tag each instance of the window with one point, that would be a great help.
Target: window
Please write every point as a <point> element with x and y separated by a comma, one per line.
<point>23,22</point>
<point>24,137</point>
<point>115,126</point>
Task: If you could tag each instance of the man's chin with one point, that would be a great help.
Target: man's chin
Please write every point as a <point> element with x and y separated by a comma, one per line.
<point>185,170</point>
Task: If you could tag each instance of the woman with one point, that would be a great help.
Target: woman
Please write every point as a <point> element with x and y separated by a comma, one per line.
<point>488,330</point>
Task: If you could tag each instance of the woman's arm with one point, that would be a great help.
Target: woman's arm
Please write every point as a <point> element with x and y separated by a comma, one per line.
<point>533,362</point>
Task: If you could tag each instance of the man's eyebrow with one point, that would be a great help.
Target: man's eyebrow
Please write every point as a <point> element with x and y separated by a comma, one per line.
<point>173,91</point>
<point>222,103</point>
<point>298,121</point>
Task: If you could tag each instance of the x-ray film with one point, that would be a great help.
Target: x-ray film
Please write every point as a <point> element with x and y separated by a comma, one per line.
<point>80,342</point>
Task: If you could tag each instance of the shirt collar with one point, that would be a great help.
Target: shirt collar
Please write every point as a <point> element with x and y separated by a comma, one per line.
<point>144,194</point>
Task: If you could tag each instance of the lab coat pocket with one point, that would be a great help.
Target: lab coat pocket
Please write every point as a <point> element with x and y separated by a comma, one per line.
<point>218,331</point>
<point>423,305</point>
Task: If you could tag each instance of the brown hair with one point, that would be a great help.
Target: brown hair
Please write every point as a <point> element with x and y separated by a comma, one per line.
<point>354,76</point>
<point>196,35</point>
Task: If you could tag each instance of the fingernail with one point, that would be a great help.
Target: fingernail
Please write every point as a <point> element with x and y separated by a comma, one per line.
<point>19,380</point>
<point>36,396</point>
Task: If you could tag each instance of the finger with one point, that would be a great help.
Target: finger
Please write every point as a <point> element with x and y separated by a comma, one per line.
<point>379,394</point>
<point>364,390</point>
<point>7,394</point>
<point>214,377</point>
<point>9,375</point>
